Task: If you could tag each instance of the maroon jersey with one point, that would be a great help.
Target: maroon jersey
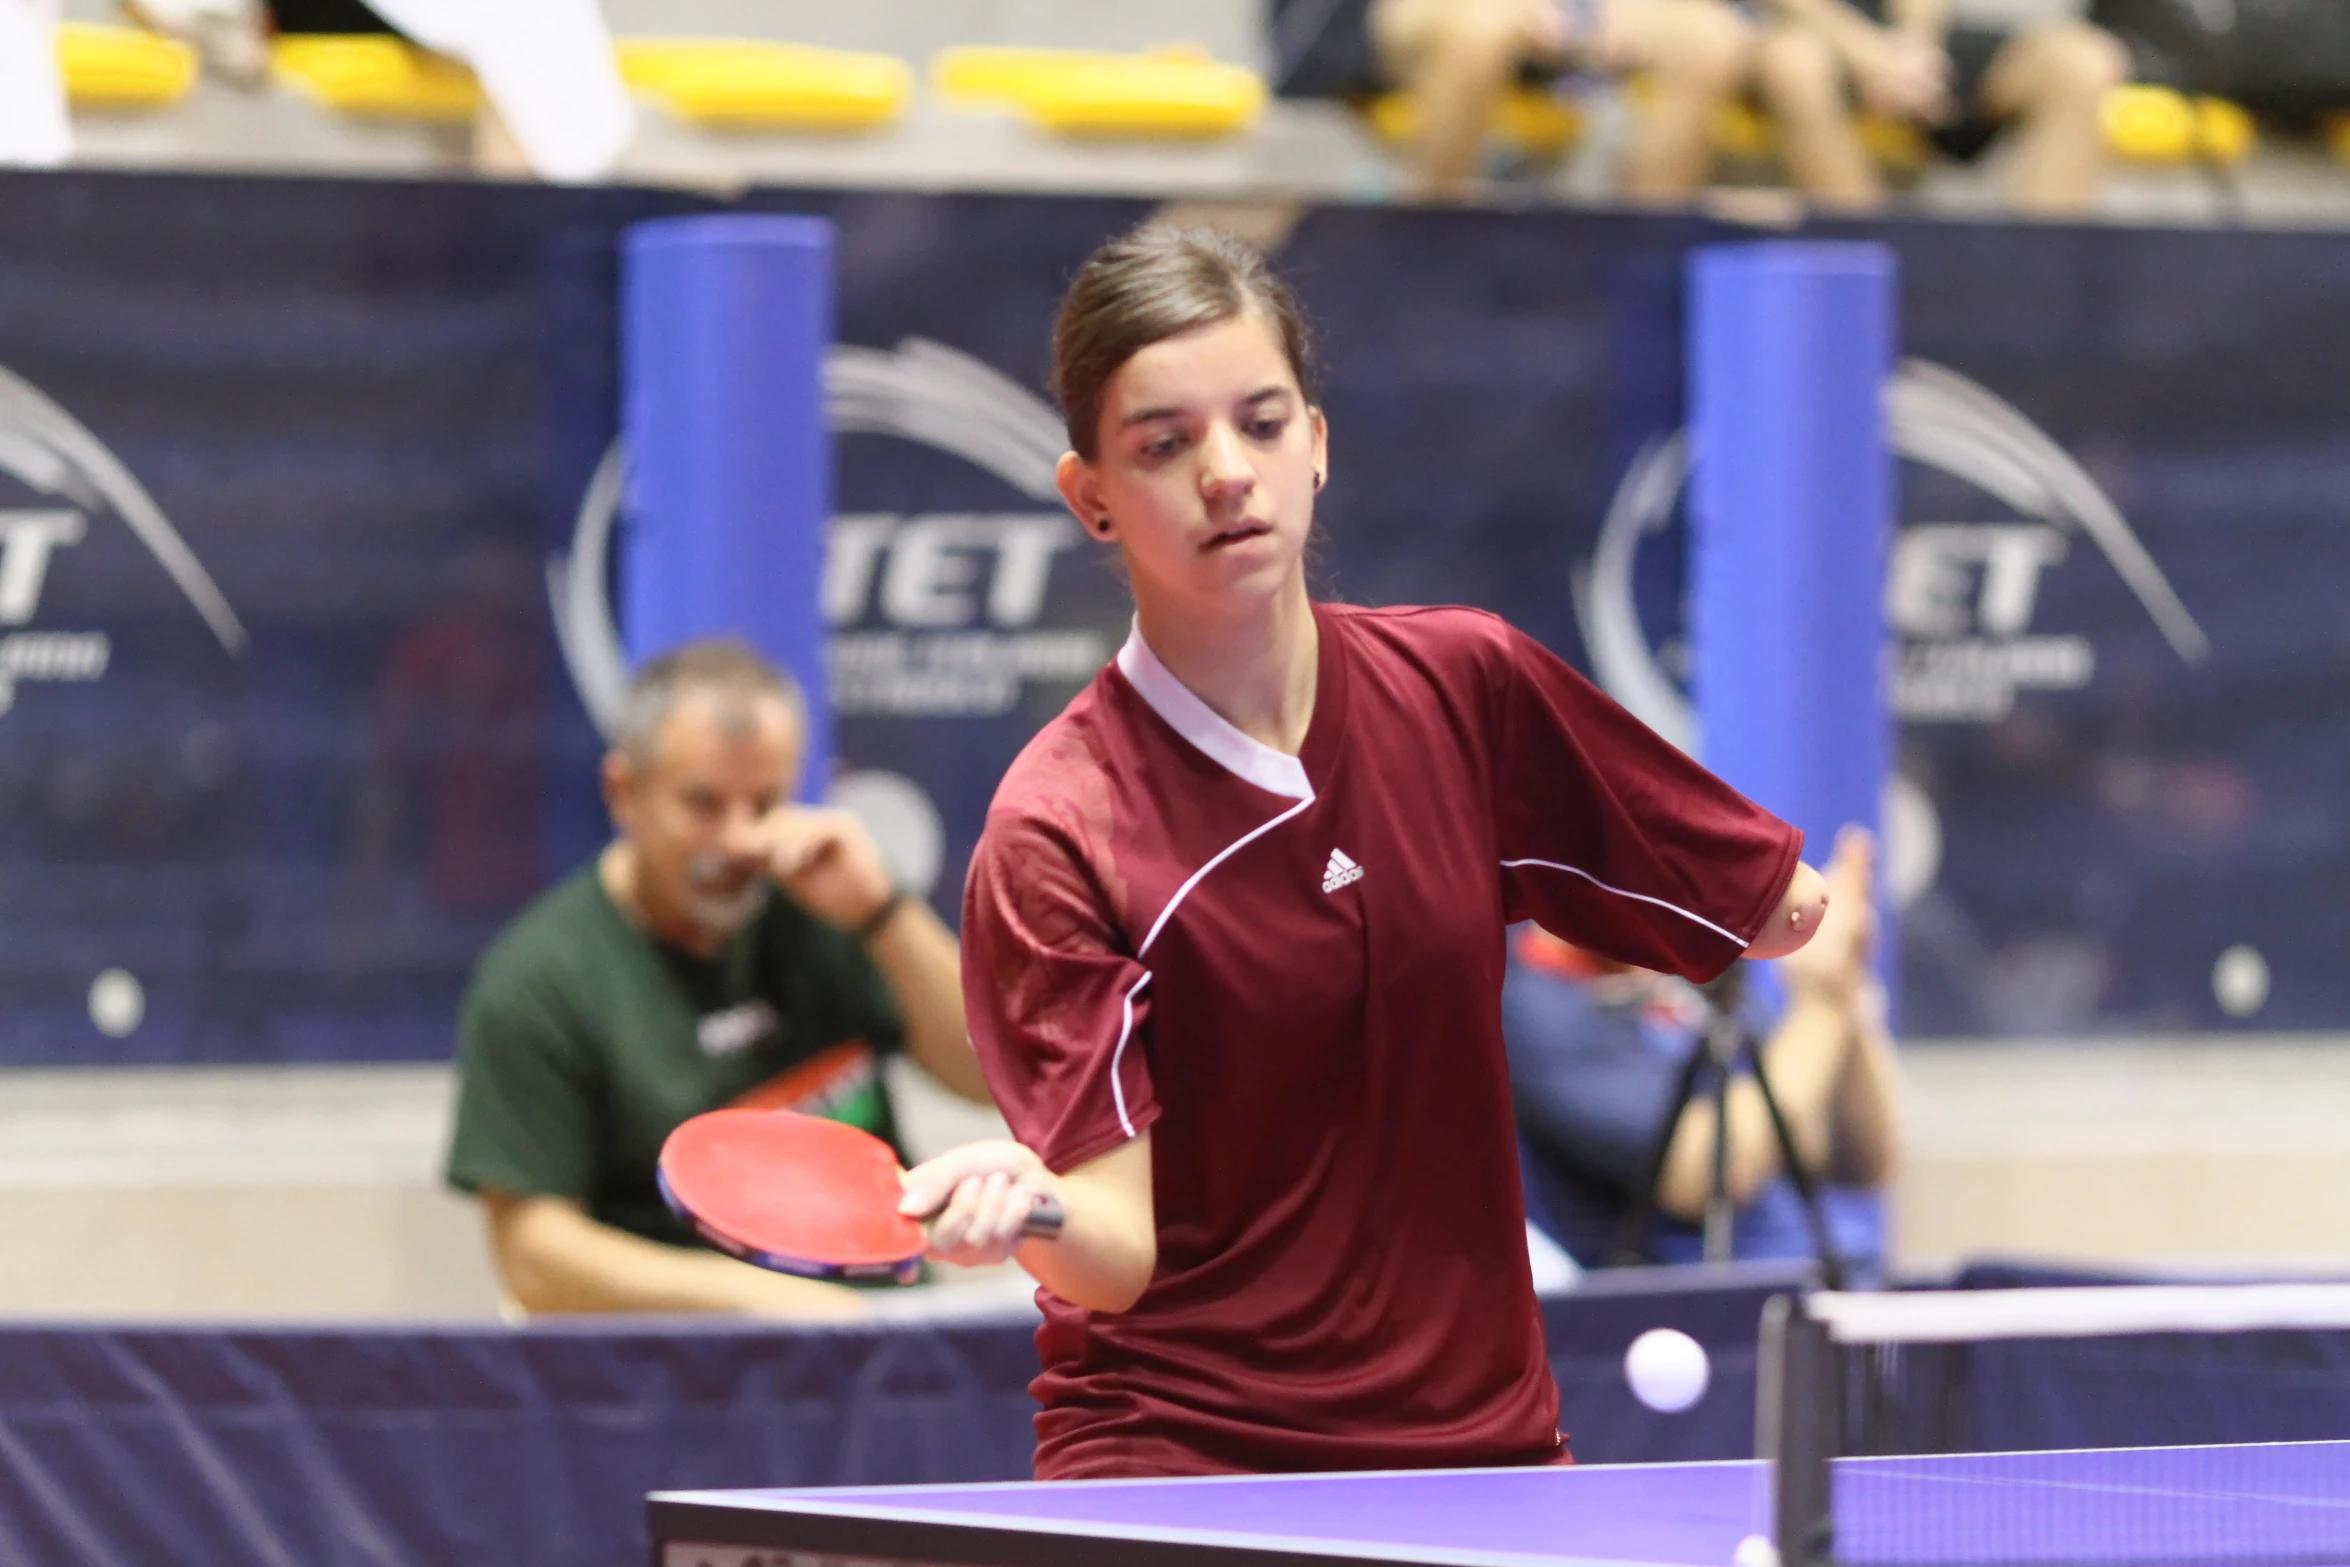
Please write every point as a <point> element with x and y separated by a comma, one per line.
<point>1288,969</point>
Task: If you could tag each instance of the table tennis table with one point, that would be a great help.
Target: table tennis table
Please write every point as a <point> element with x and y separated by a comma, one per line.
<point>2287,1503</point>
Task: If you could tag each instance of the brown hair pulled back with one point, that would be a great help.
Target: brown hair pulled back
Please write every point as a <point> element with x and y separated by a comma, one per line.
<point>1155,283</point>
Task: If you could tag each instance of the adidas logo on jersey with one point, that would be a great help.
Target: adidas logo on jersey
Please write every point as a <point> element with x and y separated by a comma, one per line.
<point>1340,872</point>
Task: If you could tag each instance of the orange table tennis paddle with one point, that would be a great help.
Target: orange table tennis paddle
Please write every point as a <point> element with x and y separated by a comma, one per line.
<point>800,1194</point>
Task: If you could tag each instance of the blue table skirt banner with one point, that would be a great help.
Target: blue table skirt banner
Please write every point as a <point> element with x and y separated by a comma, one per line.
<point>535,1447</point>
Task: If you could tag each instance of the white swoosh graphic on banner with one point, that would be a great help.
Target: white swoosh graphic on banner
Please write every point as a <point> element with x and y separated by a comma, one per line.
<point>26,409</point>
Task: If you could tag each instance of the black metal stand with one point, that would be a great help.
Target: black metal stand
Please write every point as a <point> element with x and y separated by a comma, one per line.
<point>1725,1043</point>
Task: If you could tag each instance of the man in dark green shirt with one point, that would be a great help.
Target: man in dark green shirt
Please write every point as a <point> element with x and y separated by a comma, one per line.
<point>727,947</point>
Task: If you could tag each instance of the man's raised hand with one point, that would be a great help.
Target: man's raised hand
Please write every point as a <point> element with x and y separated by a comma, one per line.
<point>828,862</point>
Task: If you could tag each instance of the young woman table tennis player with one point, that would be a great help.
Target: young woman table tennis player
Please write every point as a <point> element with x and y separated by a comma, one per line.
<point>1232,940</point>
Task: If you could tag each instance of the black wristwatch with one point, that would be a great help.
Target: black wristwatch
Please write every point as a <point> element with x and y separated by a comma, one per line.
<point>881,917</point>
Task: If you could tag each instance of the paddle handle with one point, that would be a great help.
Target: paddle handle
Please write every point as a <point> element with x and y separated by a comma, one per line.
<point>1045,1219</point>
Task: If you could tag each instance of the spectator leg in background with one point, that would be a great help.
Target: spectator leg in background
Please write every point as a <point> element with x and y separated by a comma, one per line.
<point>2052,80</point>
<point>1454,58</point>
<point>496,154</point>
<point>1801,84</point>
<point>1697,54</point>
<point>34,131</point>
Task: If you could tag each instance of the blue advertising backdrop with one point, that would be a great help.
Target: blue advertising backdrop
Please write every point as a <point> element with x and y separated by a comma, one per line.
<point>307,512</point>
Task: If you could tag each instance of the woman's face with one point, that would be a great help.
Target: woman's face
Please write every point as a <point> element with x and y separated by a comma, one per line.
<point>1206,468</point>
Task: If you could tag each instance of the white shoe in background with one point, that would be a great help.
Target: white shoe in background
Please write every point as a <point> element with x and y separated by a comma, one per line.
<point>547,67</point>
<point>34,130</point>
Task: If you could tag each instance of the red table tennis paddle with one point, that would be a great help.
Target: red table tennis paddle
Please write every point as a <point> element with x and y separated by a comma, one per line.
<point>800,1194</point>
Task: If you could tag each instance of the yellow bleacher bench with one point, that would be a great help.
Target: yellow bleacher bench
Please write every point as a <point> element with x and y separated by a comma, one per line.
<point>736,82</point>
<point>122,67</point>
<point>748,83</point>
<point>1531,119</point>
<point>2335,129</point>
<point>2157,125</point>
<point>1176,93</point>
<point>2142,124</point>
<point>375,74</point>
<point>1895,145</point>
<point>1743,130</point>
<point>2224,131</point>
<point>1740,130</point>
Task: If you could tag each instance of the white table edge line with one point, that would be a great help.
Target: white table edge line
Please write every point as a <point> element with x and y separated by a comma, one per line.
<point>1300,1545</point>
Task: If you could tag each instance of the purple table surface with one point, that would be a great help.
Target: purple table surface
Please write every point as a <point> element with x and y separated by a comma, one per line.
<point>2287,1502</point>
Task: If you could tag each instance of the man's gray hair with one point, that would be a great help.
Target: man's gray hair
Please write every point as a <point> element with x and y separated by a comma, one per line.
<point>727,665</point>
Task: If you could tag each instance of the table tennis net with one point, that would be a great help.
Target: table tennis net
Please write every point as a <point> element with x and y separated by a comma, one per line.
<point>1872,1407</point>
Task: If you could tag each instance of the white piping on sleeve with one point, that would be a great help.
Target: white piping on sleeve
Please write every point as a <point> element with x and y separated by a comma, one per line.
<point>1620,892</point>
<point>1125,1032</point>
<point>1126,1023</point>
<point>1272,771</point>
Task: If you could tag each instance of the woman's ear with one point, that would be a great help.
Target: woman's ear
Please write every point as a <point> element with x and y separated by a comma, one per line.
<point>1321,449</point>
<point>1081,489</point>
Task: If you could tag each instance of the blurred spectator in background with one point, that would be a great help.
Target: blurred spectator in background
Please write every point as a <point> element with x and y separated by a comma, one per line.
<point>460,742</point>
<point>232,36</point>
<point>729,947</point>
<point>555,104</point>
<point>550,76</point>
<point>2287,61</point>
<point>1456,58</point>
<point>1962,86</point>
<point>1596,1051</point>
<point>34,131</point>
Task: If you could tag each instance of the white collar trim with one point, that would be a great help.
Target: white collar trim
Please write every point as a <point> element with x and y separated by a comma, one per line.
<point>1273,771</point>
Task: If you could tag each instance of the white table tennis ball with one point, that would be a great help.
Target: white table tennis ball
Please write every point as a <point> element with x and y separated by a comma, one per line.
<point>1755,1551</point>
<point>118,1003</point>
<point>1667,1369</point>
<point>2239,981</point>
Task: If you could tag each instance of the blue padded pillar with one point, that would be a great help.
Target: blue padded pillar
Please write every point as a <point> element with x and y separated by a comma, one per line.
<point>1791,513</point>
<point>725,323</point>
